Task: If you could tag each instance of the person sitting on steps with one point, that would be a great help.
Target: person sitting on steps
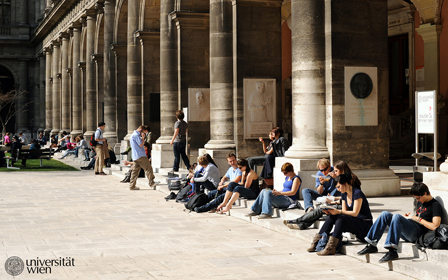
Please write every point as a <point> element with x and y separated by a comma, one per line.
<point>248,188</point>
<point>409,228</point>
<point>280,199</point>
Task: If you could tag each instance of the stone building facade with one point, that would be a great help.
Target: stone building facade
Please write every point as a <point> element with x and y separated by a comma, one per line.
<point>133,62</point>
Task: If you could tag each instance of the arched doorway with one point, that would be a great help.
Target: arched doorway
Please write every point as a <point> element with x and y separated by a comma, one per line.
<point>6,86</point>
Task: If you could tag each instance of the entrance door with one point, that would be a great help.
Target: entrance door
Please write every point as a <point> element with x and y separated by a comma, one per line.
<point>398,74</point>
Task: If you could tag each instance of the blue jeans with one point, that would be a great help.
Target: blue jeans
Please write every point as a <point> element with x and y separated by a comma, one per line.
<point>179,150</point>
<point>309,195</point>
<point>68,152</point>
<point>399,226</point>
<point>213,202</point>
<point>244,192</point>
<point>265,200</point>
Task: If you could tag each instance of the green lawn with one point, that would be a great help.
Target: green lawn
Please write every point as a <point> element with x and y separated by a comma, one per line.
<point>34,165</point>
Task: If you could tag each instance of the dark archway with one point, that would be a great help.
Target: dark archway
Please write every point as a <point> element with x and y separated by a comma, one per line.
<point>6,85</point>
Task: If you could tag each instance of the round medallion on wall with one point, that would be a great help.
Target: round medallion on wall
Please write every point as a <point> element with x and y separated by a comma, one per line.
<point>361,85</point>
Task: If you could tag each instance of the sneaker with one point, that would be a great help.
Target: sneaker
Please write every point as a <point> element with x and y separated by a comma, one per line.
<point>368,249</point>
<point>292,224</point>
<point>310,209</point>
<point>153,184</point>
<point>389,256</point>
<point>264,216</point>
<point>250,214</point>
<point>87,159</point>
<point>134,188</point>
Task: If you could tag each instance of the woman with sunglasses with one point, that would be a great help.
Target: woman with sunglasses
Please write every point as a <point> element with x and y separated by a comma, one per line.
<point>280,199</point>
<point>409,228</point>
<point>354,217</point>
<point>248,188</point>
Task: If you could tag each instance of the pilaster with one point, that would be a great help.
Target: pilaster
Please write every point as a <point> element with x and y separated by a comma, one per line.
<point>91,102</point>
<point>76,80</point>
<point>48,91</point>
<point>56,90</point>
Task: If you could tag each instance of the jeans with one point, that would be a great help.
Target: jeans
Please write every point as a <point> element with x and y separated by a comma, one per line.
<point>179,150</point>
<point>214,202</point>
<point>265,200</point>
<point>200,186</point>
<point>244,192</point>
<point>399,226</point>
<point>309,195</point>
<point>68,152</point>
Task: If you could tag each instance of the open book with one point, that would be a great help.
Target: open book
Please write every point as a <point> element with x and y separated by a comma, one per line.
<point>327,207</point>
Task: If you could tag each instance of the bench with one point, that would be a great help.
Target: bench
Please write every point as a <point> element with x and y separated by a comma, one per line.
<point>37,154</point>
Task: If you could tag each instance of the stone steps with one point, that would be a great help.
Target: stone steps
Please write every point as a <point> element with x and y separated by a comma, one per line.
<point>435,268</point>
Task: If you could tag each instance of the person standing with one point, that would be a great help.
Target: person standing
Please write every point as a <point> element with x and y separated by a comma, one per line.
<point>140,159</point>
<point>179,141</point>
<point>99,149</point>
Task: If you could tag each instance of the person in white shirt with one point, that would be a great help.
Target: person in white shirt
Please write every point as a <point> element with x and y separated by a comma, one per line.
<point>210,177</point>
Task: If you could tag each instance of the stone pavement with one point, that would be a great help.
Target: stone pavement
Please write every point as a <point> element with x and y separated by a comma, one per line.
<point>114,233</point>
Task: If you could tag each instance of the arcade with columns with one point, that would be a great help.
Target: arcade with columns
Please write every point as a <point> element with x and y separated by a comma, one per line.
<point>129,63</point>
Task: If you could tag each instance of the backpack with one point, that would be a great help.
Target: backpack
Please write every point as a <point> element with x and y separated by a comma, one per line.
<point>183,193</point>
<point>197,200</point>
<point>175,186</point>
<point>92,140</point>
<point>434,239</point>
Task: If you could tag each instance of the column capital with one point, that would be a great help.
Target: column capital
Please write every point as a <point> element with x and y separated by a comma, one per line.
<point>99,6</point>
<point>76,24</point>
<point>47,50</point>
<point>429,32</point>
<point>55,44</point>
<point>97,57</point>
<point>192,20</point>
<point>69,70</point>
<point>70,32</point>
<point>59,75</point>
<point>64,35</point>
<point>147,36</point>
<point>91,14</point>
<point>82,65</point>
<point>83,22</point>
<point>119,49</point>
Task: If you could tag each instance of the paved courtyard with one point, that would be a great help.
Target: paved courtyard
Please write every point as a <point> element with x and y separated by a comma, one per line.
<point>114,233</point>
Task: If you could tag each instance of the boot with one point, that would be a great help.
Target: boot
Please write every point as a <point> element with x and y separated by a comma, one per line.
<point>314,243</point>
<point>330,249</point>
<point>126,179</point>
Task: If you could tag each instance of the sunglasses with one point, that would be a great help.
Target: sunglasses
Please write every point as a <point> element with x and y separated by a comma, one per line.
<point>322,170</point>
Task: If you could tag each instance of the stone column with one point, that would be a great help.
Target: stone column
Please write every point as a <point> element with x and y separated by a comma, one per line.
<point>65,94</point>
<point>22,107</point>
<point>91,105</point>
<point>42,88</point>
<point>162,152</point>
<point>308,80</point>
<point>36,96</point>
<point>48,91</point>
<point>168,72</point>
<point>76,81</point>
<point>110,103</point>
<point>120,78</point>
<point>134,84</point>
<point>22,15</point>
<point>56,89</point>
<point>221,82</point>
<point>431,39</point>
<point>99,83</point>
<point>48,7</point>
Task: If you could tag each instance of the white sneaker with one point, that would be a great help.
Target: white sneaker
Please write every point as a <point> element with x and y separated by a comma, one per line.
<point>153,184</point>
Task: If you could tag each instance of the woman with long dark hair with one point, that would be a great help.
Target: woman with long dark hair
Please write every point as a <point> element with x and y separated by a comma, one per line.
<point>248,188</point>
<point>355,216</point>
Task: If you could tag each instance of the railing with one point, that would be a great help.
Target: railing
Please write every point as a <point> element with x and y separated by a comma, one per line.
<point>5,30</point>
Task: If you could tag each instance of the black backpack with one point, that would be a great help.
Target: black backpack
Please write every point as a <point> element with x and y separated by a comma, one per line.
<point>434,239</point>
<point>196,200</point>
<point>175,185</point>
<point>183,193</point>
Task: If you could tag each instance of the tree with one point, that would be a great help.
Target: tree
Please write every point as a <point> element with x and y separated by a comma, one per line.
<point>7,107</point>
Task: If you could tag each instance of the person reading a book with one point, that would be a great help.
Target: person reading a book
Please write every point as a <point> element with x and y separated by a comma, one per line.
<point>324,185</point>
<point>408,227</point>
<point>354,217</point>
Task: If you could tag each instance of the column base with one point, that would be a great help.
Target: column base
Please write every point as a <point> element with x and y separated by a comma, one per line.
<point>112,139</point>
<point>374,182</point>
<point>219,156</point>
<point>162,155</point>
<point>164,140</point>
<point>295,151</point>
<point>220,145</point>
<point>77,132</point>
<point>55,131</point>
<point>88,134</point>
